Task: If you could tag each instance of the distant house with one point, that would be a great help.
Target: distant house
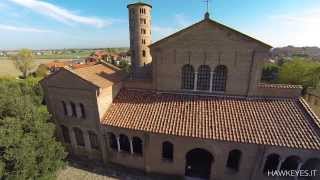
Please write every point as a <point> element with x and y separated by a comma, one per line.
<point>56,66</point>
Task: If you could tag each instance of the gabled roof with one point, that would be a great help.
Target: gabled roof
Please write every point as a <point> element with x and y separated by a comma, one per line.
<point>286,122</point>
<point>99,75</point>
<point>212,22</point>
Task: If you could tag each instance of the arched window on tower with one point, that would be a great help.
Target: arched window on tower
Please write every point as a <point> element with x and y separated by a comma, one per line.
<point>167,151</point>
<point>219,80</point>
<point>79,136</point>
<point>203,83</point>
<point>187,79</point>
<point>137,146</point>
<point>124,143</point>
<point>272,163</point>
<point>143,53</point>
<point>234,158</point>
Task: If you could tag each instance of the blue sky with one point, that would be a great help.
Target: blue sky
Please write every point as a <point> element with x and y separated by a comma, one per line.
<point>40,24</point>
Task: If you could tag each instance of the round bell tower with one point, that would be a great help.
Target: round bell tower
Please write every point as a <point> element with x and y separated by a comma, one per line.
<point>140,39</point>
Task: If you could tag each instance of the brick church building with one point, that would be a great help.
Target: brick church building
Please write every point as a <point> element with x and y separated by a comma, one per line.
<point>193,107</point>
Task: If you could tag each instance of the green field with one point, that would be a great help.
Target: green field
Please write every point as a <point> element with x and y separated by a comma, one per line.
<point>7,67</point>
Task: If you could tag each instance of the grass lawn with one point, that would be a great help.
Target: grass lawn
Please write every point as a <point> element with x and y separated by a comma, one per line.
<point>7,67</point>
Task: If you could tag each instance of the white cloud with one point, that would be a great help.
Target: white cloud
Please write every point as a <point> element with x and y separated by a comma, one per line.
<point>298,29</point>
<point>22,29</point>
<point>60,14</point>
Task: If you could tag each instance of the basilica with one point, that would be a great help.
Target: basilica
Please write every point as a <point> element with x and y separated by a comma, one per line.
<point>193,106</point>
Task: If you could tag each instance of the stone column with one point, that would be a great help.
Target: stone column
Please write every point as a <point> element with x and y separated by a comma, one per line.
<point>131,146</point>
<point>118,143</point>
<point>211,79</point>
<point>195,81</point>
<point>298,169</point>
<point>73,140</point>
<point>78,110</point>
<point>279,167</point>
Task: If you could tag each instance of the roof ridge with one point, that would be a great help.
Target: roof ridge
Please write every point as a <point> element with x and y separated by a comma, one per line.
<point>211,21</point>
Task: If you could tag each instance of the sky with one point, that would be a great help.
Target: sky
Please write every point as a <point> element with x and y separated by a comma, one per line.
<point>56,24</point>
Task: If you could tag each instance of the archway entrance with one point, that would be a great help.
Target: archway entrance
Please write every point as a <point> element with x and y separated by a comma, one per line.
<point>198,164</point>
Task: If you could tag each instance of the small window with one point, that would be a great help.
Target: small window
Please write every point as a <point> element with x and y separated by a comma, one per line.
<point>73,108</point>
<point>79,136</point>
<point>65,134</point>
<point>234,160</point>
<point>113,141</point>
<point>93,140</point>
<point>143,31</point>
<point>167,151</point>
<point>144,53</point>
<point>83,112</point>
<point>137,146</point>
<point>64,106</point>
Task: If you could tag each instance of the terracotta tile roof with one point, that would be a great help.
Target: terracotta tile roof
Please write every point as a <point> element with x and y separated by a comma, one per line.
<point>77,66</point>
<point>100,75</point>
<point>58,64</point>
<point>282,86</point>
<point>269,121</point>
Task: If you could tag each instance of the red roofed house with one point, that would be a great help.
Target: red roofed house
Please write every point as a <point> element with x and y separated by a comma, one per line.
<point>194,107</point>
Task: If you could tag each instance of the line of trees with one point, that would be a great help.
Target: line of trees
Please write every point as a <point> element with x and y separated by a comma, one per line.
<point>297,71</point>
<point>28,148</point>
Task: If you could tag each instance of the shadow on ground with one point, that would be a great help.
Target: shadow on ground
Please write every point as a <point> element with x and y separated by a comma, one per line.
<point>80,169</point>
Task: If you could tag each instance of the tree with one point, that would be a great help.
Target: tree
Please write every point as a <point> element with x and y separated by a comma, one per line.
<point>270,72</point>
<point>299,71</point>
<point>28,149</point>
<point>42,71</point>
<point>125,66</point>
<point>24,61</point>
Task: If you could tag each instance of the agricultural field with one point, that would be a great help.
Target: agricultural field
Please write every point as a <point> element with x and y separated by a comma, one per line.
<point>7,67</point>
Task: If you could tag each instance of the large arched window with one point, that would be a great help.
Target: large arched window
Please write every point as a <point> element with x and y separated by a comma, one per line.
<point>79,136</point>
<point>234,158</point>
<point>187,77</point>
<point>124,143</point>
<point>219,80</point>
<point>203,82</point>
<point>113,141</point>
<point>65,134</point>
<point>167,151</point>
<point>137,145</point>
<point>93,140</point>
<point>271,163</point>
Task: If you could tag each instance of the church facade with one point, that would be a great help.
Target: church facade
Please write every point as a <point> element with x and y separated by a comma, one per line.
<point>193,107</point>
